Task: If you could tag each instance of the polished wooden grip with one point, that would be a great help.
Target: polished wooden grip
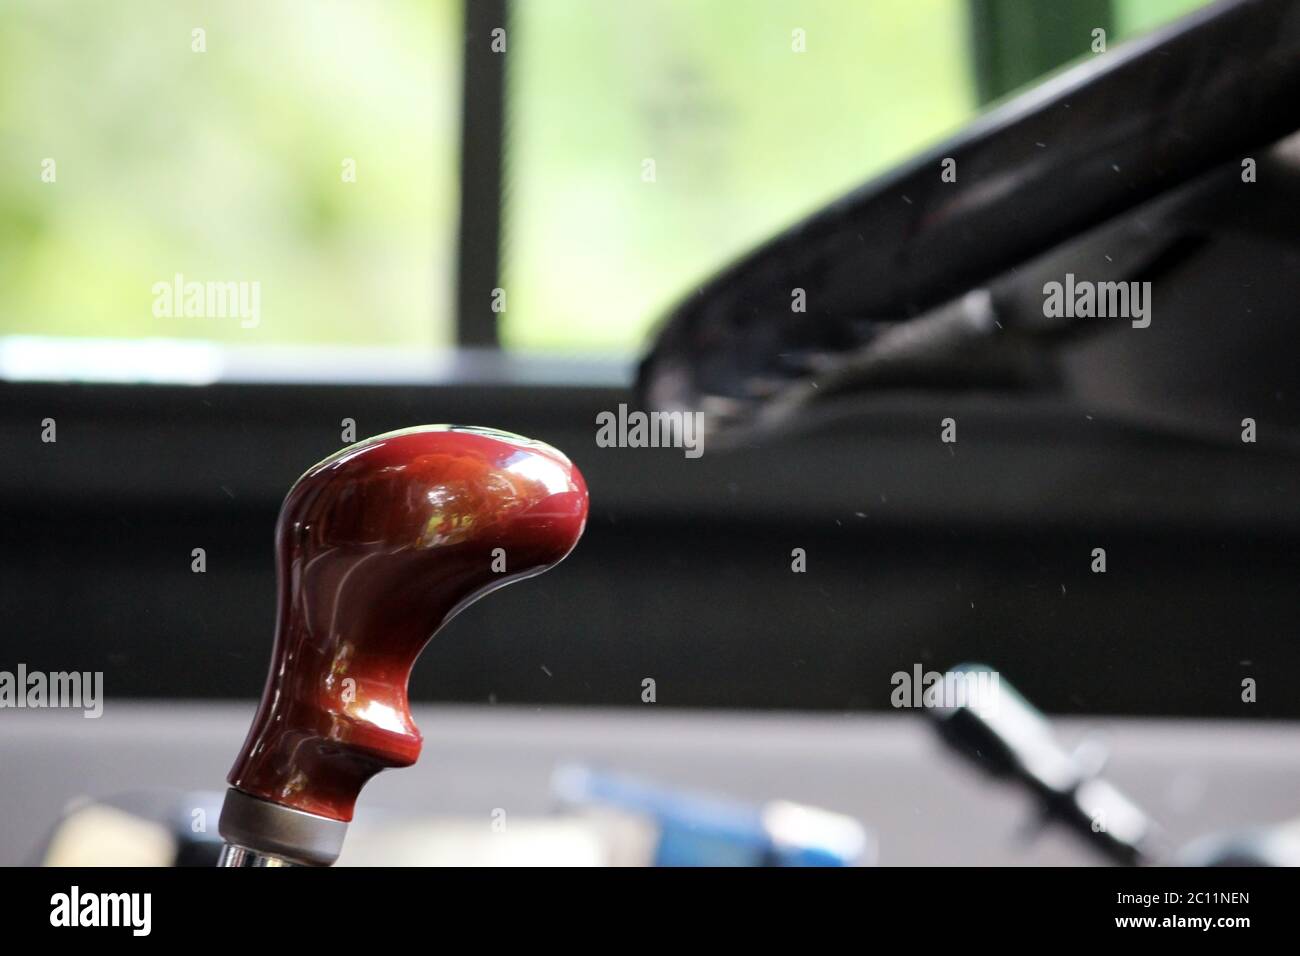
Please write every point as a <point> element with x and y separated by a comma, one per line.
<point>377,548</point>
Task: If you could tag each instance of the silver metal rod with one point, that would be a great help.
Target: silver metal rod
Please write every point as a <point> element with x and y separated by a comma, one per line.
<point>232,855</point>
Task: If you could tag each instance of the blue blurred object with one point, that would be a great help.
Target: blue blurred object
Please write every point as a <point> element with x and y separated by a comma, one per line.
<point>704,830</point>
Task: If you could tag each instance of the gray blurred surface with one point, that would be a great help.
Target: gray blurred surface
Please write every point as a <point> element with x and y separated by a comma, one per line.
<point>891,772</point>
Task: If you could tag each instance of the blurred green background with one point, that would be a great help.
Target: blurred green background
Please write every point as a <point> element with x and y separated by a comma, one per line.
<point>226,165</point>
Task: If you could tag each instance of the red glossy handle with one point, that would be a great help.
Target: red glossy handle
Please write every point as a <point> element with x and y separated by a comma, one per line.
<point>378,546</point>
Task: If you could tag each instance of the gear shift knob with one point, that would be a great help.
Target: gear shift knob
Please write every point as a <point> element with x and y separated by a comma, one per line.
<point>377,547</point>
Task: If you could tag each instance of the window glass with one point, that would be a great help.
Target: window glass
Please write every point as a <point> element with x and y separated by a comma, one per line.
<point>1137,16</point>
<point>294,165</point>
<point>296,158</point>
<point>648,143</point>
